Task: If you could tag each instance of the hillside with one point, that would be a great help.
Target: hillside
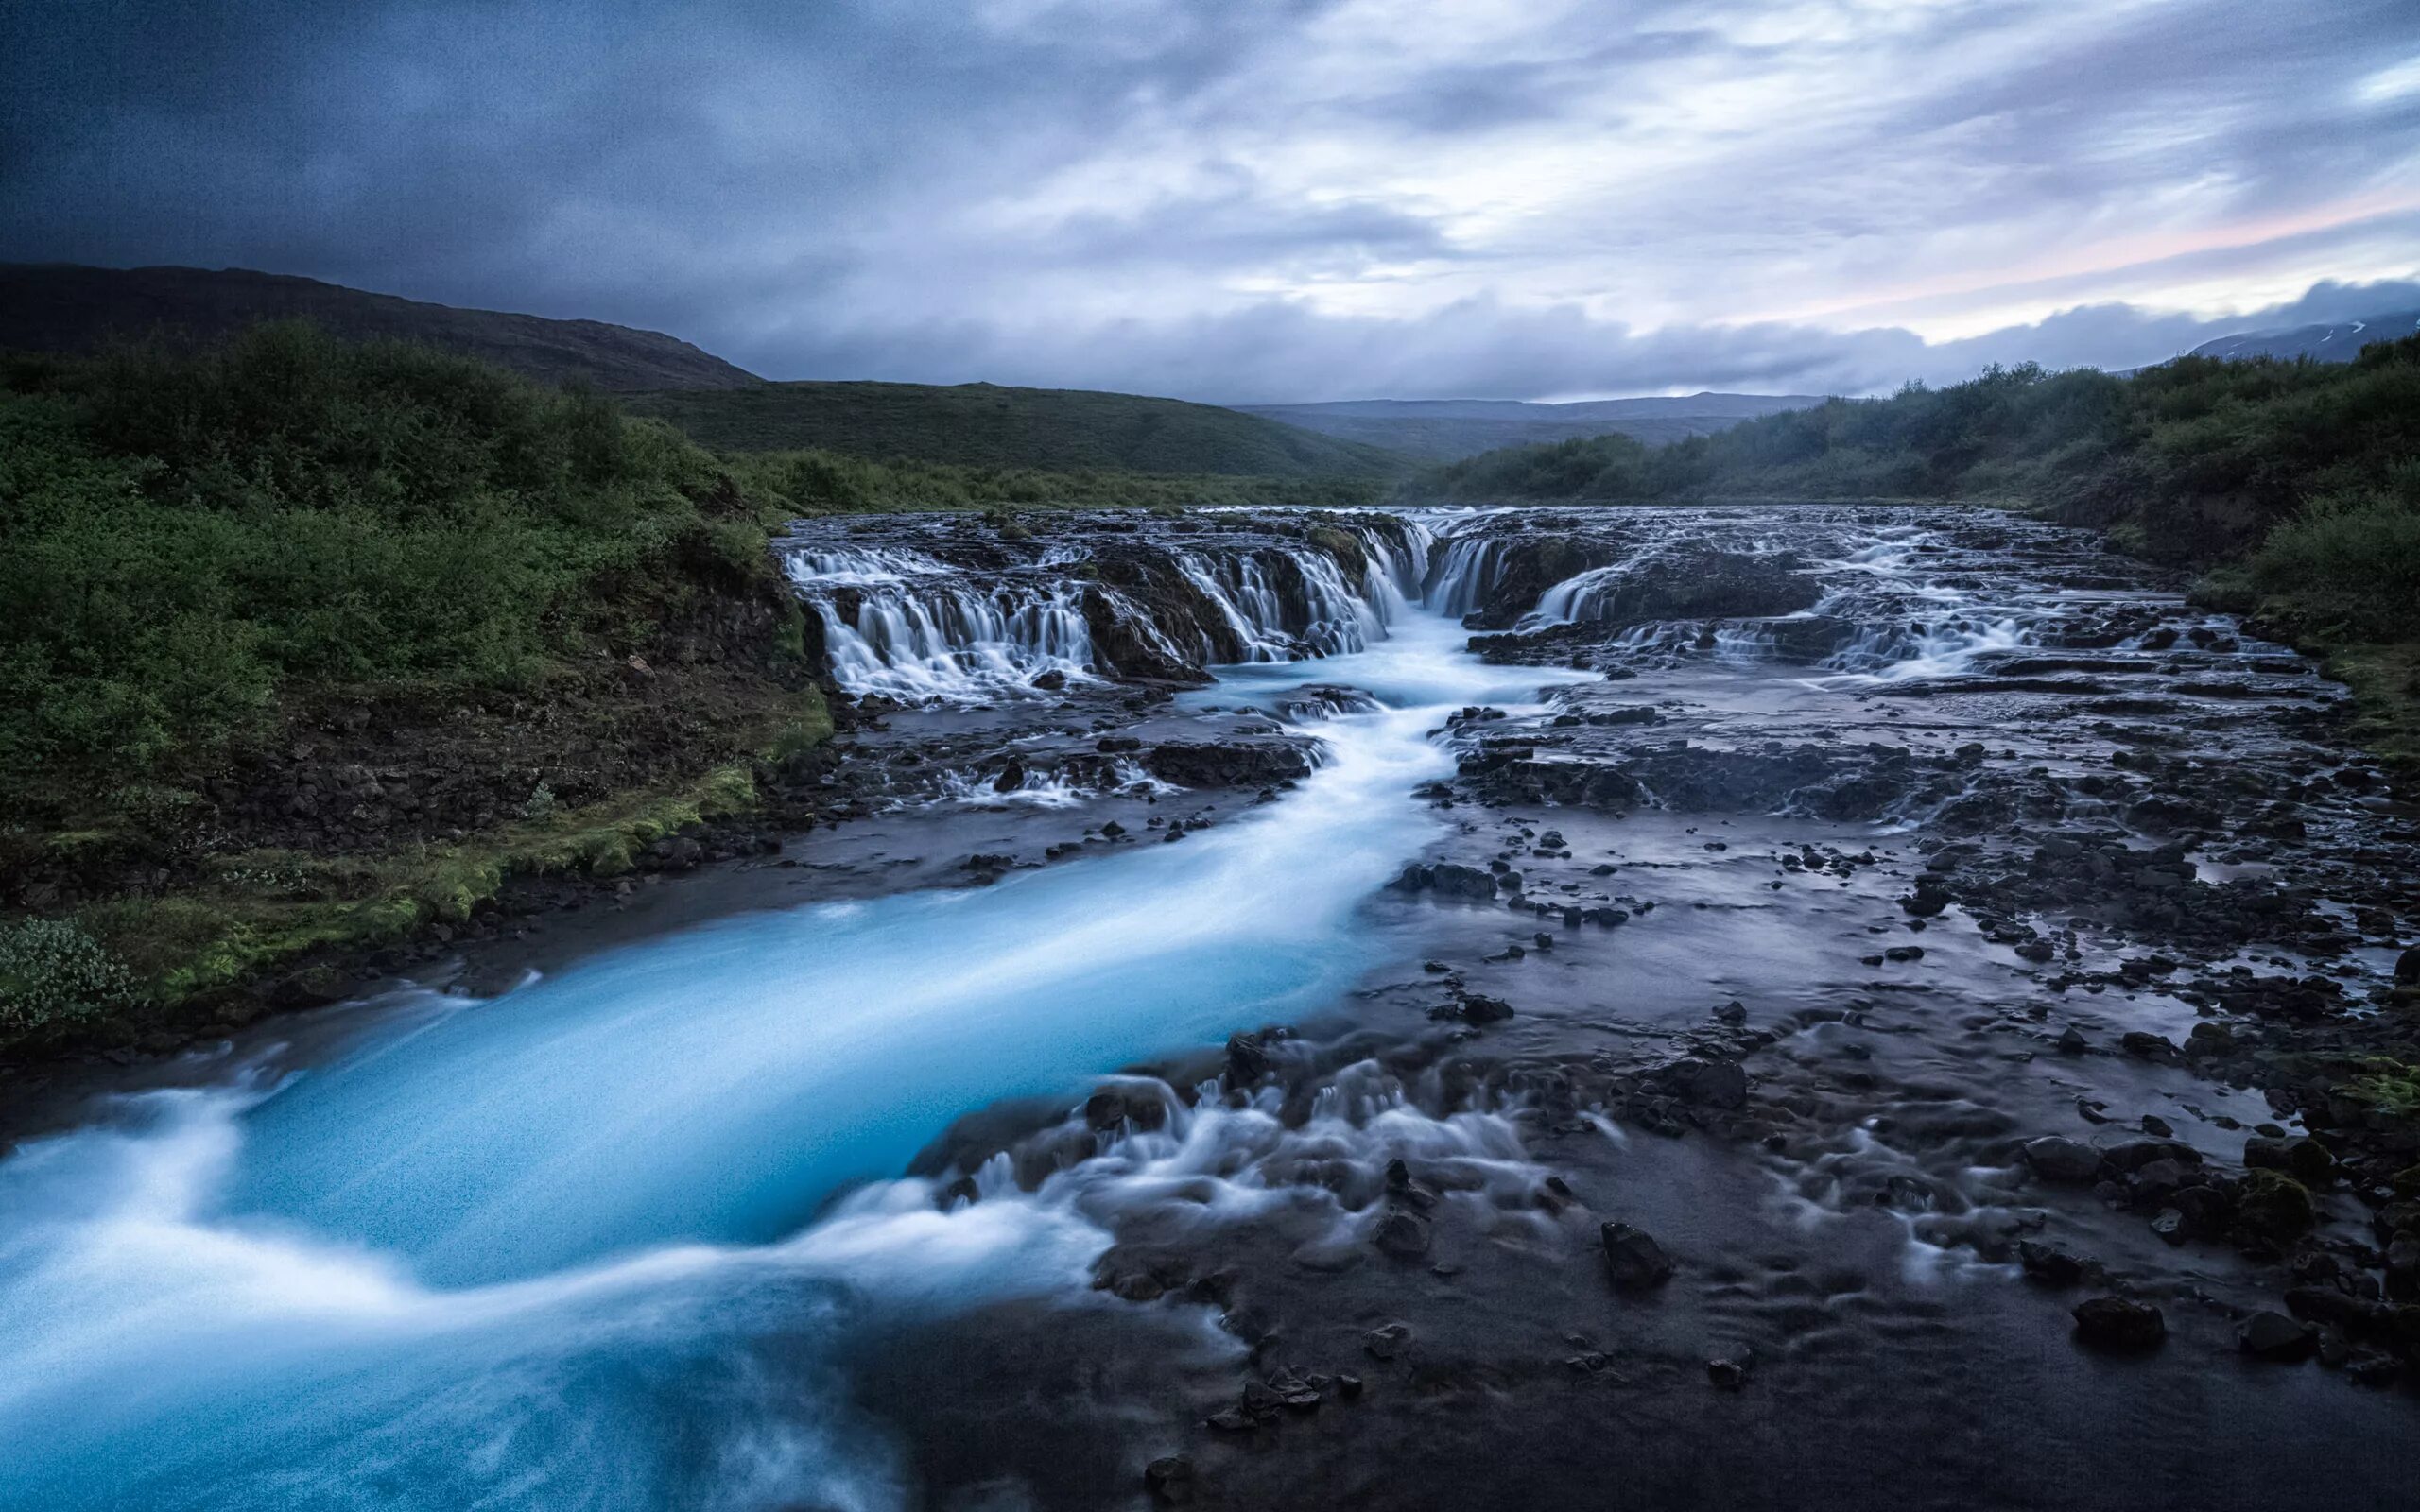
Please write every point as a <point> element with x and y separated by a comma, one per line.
<point>986,426</point>
<point>69,309</point>
<point>1446,430</point>
<point>2340,342</point>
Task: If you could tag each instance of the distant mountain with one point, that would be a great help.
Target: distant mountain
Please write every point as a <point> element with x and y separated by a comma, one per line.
<point>2340,342</point>
<point>986,426</point>
<point>1446,430</point>
<point>61,307</point>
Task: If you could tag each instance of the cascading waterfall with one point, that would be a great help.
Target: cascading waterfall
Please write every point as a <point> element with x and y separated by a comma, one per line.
<point>565,1250</point>
<point>902,623</point>
<point>1461,573</point>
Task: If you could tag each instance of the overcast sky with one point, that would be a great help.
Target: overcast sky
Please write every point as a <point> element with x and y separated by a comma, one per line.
<point>1261,199</point>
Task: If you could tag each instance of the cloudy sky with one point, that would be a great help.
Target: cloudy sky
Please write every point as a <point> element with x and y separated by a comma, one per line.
<point>1262,200</point>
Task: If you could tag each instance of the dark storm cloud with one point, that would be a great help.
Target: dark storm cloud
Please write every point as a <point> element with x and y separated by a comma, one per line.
<point>1254,198</point>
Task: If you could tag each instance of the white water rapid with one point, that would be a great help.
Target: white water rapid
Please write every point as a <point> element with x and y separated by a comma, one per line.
<point>575,1247</point>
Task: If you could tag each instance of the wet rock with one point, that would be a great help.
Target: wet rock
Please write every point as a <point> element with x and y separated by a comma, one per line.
<point>1633,1261</point>
<point>2054,1158</point>
<point>1232,764</point>
<point>2406,967</point>
<point>2118,1323</point>
<point>2049,1265</point>
<point>2146,1046</point>
<point>1928,899</point>
<point>2306,1159</point>
<point>1248,1059</point>
<point>1403,1235</point>
<point>1113,1106</point>
<point>1169,1480</point>
<point>1386,1340</point>
<point>2275,1336</point>
<point>2274,1206</point>
<point>1728,1374</point>
<point>1476,1008</point>
<point>1719,1084</point>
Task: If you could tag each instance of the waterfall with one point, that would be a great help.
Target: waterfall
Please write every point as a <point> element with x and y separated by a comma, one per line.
<point>910,624</point>
<point>1461,575</point>
<point>946,639</point>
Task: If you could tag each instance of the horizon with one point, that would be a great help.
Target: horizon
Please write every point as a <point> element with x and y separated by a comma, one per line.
<point>1287,201</point>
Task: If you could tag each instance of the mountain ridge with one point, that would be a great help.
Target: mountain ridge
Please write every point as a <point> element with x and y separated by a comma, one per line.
<point>73,308</point>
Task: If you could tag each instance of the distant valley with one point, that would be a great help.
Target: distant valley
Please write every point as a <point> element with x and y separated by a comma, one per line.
<point>1447,430</point>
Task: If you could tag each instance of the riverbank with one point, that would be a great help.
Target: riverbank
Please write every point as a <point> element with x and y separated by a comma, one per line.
<point>1670,1028</point>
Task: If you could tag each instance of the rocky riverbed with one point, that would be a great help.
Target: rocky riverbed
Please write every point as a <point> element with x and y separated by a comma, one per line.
<point>1801,1007</point>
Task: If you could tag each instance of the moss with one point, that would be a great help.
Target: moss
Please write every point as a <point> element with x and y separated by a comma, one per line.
<point>2385,680</point>
<point>803,731</point>
<point>2391,1089</point>
<point>2273,1202</point>
<point>265,908</point>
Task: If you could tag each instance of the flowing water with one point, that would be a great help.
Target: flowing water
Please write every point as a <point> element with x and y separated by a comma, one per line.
<point>624,1236</point>
<point>536,1250</point>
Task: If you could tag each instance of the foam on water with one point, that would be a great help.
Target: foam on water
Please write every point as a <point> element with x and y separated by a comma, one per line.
<point>562,1248</point>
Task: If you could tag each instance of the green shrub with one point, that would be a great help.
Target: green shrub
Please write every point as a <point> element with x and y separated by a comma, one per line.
<point>54,977</point>
<point>2351,560</point>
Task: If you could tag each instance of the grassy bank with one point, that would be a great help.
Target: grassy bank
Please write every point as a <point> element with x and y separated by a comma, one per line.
<point>307,647</point>
<point>2294,486</point>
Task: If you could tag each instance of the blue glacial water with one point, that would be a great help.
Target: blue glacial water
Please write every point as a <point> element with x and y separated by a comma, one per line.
<point>562,1248</point>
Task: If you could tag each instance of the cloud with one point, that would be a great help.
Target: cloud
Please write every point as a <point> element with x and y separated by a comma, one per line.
<point>1253,198</point>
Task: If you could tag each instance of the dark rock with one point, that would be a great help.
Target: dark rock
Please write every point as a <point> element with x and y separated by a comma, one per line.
<point>2274,1206</point>
<point>2275,1336</point>
<point>1633,1258</point>
<point>2054,1158</point>
<point>1169,1480</point>
<point>2406,967</point>
<point>1232,764</point>
<point>2306,1159</point>
<point>2147,1046</point>
<point>2051,1268</point>
<point>1247,1059</point>
<point>1727,1374</point>
<point>1386,1340</point>
<point>2116,1323</point>
<point>1475,1007</point>
<point>1448,880</point>
<point>1403,1235</point>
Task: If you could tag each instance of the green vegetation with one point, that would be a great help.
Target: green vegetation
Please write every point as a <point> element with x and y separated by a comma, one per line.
<point>985,426</point>
<point>2295,482</point>
<point>189,536</point>
<point>235,581</point>
<point>806,483</point>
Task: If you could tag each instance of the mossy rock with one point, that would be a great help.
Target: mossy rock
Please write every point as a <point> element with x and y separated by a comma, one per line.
<point>2274,1205</point>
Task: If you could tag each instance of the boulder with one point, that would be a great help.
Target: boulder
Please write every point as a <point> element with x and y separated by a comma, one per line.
<point>2274,1336</point>
<point>2304,1159</point>
<point>2117,1323</point>
<point>1633,1261</point>
<point>2054,1158</point>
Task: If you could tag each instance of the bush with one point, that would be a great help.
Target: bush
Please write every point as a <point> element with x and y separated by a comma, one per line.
<point>54,977</point>
<point>2350,561</point>
<point>181,536</point>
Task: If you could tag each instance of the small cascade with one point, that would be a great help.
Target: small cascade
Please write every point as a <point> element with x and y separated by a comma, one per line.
<point>946,639</point>
<point>1903,653</point>
<point>1461,573</point>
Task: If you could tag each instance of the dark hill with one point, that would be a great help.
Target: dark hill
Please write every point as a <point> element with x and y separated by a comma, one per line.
<point>2340,342</point>
<point>64,308</point>
<point>986,426</point>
